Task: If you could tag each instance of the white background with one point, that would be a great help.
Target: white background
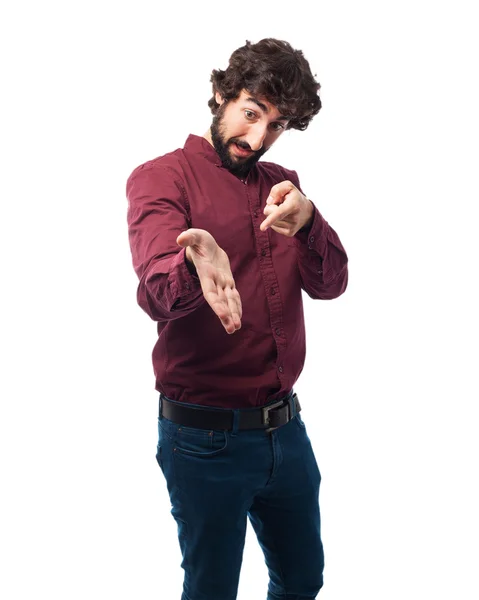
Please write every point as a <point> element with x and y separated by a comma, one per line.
<point>389,388</point>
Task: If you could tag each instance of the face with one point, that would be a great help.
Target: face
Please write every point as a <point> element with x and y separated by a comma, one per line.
<point>244,129</point>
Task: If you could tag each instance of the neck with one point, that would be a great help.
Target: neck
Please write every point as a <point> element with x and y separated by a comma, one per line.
<point>207,137</point>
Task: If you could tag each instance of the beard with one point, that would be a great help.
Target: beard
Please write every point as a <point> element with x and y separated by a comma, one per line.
<point>236,165</point>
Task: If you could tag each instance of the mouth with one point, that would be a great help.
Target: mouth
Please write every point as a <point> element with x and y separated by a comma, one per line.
<point>239,151</point>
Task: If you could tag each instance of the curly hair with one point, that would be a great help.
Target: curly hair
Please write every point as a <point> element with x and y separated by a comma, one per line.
<point>274,70</point>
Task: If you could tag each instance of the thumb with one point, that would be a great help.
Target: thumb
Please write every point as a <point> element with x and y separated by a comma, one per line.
<point>186,238</point>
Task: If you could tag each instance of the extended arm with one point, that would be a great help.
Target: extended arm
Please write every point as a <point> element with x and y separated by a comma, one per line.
<point>157,214</point>
<point>174,282</point>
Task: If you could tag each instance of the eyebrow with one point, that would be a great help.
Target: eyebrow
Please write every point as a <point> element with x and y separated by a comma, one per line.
<point>264,107</point>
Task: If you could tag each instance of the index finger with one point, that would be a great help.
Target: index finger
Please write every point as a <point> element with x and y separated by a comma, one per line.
<point>279,213</point>
<point>278,191</point>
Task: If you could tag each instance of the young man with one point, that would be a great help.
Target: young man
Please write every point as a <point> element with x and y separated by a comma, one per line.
<point>223,246</point>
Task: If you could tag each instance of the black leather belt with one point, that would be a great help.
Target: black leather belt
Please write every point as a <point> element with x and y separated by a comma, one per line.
<point>267,417</point>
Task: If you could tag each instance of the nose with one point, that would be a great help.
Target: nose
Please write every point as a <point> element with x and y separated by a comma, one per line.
<point>256,137</point>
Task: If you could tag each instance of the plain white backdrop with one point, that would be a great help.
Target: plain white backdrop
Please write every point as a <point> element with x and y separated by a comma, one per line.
<point>389,389</point>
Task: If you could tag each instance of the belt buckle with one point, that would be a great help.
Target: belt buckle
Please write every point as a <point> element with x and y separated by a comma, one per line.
<point>266,410</point>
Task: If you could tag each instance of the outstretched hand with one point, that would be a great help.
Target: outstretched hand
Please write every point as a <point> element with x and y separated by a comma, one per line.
<point>214,272</point>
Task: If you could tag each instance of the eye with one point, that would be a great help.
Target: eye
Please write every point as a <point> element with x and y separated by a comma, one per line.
<point>249,114</point>
<point>277,126</point>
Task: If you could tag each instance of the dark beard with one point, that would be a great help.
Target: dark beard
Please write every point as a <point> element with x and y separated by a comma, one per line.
<point>240,167</point>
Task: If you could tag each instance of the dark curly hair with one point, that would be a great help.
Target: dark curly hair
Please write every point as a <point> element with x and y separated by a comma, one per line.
<point>272,69</point>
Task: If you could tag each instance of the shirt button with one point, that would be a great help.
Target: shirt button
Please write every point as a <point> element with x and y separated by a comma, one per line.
<point>255,214</point>
<point>320,271</point>
<point>272,291</point>
<point>280,369</point>
<point>277,331</point>
<point>263,252</point>
<point>187,286</point>
<point>311,239</point>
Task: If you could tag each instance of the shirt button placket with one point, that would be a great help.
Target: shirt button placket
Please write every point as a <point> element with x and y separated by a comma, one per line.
<point>269,277</point>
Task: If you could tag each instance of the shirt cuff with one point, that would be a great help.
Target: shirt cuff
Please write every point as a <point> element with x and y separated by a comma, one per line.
<point>312,237</point>
<point>185,287</point>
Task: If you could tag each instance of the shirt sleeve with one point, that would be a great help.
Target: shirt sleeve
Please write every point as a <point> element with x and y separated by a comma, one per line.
<point>322,260</point>
<point>157,214</point>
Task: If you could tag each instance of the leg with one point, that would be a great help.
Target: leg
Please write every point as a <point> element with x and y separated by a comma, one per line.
<point>286,518</point>
<point>209,504</point>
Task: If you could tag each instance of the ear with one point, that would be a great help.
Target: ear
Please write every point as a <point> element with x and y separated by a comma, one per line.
<point>218,97</point>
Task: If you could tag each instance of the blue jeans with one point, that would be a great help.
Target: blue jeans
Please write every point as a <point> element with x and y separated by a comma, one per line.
<point>217,479</point>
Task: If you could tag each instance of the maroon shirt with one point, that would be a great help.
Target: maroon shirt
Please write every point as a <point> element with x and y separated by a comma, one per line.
<point>194,359</point>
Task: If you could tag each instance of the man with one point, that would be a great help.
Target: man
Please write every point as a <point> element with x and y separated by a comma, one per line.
<point>223,246</point>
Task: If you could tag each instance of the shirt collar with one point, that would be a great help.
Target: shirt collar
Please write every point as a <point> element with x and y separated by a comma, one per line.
<point>200,145</point>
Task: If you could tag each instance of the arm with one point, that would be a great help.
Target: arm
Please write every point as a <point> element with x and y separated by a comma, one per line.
<point>157,214</point>
<point>322,260</point>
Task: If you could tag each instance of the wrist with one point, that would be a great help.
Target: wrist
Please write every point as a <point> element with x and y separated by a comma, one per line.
<point>309,220</point>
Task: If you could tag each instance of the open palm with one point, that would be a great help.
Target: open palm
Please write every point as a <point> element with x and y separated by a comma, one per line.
<point>214,272</point>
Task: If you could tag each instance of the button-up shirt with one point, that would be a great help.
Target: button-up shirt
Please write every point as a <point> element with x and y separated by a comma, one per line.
<point>195,360</point>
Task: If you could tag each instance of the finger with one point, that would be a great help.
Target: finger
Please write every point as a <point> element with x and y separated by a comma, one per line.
<point>270,210</point>
<point>272,200</point>
<point>277,215</point>
<point>192,237</point>
<point>265,224</point>
<point>208,285</point>
<point>218,287</point>
<point>186,238</point>
<point>271,213</point>
<point>231,320</point>
<point>234,304</point>
<point>278,192</point>
<point>239,305</point>
<point>219,305</point>
<point>230,298</point>
<point>218,301</point>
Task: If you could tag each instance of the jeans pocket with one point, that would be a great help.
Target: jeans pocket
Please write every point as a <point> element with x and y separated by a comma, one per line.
<point>200,442</point>
<point>193,441</point>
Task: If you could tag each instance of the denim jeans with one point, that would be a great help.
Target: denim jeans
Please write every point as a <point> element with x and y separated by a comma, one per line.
<point>217,479</point>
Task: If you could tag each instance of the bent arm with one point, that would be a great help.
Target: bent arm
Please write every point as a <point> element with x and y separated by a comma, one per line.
<point>322,260</point>
<point>157,214</point>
